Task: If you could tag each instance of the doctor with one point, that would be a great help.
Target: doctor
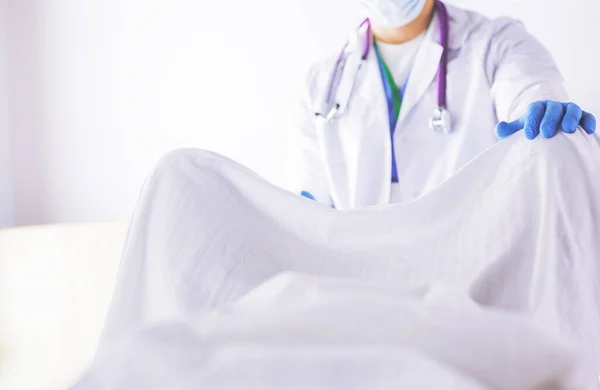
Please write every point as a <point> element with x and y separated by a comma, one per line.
<point>415,94</point>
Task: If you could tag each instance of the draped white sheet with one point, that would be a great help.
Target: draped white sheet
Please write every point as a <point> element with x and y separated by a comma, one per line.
<point>510,244</point>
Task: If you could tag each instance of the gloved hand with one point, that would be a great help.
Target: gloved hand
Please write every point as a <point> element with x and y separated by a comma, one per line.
<point>307,195</point>
<point>548,117</point>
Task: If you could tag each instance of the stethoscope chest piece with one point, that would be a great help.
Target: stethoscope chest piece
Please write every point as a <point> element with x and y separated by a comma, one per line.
<point>440,121</point>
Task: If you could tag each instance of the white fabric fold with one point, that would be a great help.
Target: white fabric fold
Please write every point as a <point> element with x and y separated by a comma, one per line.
<point>508,247</point>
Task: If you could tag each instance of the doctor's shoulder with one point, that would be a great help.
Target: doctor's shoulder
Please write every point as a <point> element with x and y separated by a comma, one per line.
<point>509,35</point>
<point>472,29</point>
<point>501,42</point>
<point>501,37</point>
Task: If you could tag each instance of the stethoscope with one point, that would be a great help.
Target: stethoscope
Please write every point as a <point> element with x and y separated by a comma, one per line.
<point>439,121</point>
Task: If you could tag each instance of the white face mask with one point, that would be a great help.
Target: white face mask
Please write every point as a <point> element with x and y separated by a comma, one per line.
<point>393,13</point>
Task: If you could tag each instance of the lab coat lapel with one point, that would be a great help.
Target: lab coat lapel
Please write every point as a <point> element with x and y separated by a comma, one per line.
<point>427,61</point>
<point>424,70</point>
<point>371,172</point>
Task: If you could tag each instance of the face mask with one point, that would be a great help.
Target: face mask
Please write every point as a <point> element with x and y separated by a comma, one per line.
<point>393,13</point>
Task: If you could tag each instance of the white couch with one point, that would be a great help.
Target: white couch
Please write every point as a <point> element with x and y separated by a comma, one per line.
<point>55,287</point>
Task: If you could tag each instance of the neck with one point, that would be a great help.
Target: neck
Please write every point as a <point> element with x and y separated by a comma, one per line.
<point>398,35</point>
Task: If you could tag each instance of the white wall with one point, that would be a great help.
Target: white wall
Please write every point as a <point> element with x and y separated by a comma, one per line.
<point>101,89</point>
<point>6,185</point>
<point>27,126</point>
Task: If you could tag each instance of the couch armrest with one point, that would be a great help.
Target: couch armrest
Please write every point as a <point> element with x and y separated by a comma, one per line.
<point>55,287</point>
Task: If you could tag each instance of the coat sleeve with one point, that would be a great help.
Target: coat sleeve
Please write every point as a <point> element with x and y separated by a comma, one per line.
<point>307,170</point>
<point>522,70</point>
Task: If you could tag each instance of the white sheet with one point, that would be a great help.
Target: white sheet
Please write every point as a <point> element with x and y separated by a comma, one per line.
<point>515,230</point>
<point>300,332</point>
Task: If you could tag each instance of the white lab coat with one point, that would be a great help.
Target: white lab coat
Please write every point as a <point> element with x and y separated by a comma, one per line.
<point>496,69</point>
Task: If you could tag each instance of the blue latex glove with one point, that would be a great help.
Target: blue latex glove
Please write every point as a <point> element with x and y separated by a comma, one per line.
<point>307,195</point>
<point>549,117</point>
